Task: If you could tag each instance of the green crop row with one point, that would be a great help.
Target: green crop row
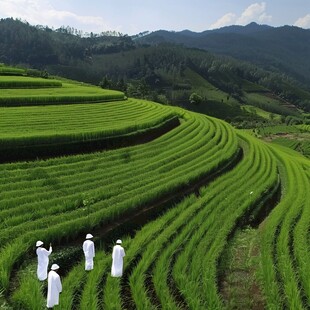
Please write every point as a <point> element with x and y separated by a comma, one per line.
<point>283,270</point>
<point>197,235</point>
<point>49,100</point>
<point>30,121</point>
<point>173,258</point>
<point>68,93</point>
<point>27,82</point>
<point>6,70</point>
<point>82,290</point>
<point>46,198</point>
<point>304,127</point>
<point>264,131</point>
<point>302,146</point>
<point>290,143</point>
<point>184,227</point>
<point>43,129</point>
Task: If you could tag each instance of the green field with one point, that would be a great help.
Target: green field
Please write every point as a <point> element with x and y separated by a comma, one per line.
<point>203,87</point>
<point>7,70</point>
<point>206,213</point>
<point>261,112</point>
<point>54,94</point>
<point>106,119</point>
<point>267,103</point>
<point>9,82</point>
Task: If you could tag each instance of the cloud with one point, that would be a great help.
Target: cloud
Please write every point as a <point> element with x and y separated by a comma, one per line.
<point>227,19</point>
<point>43,13</point>
<point>256,12</point>
<point>303,22</point>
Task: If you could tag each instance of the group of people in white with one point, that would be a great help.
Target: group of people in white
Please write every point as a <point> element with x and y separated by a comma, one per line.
<point>54,286</point>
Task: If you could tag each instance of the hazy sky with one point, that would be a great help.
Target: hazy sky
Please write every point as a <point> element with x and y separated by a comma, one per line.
<point>134,16</point>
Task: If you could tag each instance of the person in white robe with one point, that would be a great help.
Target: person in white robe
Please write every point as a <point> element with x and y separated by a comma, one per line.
<point>54,287</point>
<point>117,259</point>
<point>43,259</point>
<point>89,252</point>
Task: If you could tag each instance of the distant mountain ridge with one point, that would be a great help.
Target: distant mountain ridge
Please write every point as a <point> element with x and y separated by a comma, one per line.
<point>250,28</point>
<point>285,49</point>
<point>171,73</point>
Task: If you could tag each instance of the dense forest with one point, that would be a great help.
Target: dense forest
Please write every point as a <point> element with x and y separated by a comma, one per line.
<point>164,71</point>
<point>282,49</point>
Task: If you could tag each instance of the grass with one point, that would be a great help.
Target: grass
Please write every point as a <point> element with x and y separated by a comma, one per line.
<point>173,261</point>
<point>267,103</point>
<point>8,70</point>
<point>260,112</point>
<point>68,93</point>
<point>27,82</point>
<point>50,120</point>
<point>204,88</point>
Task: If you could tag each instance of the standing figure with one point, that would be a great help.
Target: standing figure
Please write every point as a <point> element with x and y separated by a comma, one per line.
<point>117,259</point>
<point>89,252</point>
<point>54,287</point>
<point>43,260</point>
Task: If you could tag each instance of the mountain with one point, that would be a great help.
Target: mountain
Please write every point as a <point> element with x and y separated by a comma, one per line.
<point>283,49</point>
<point>39,46</point>
<point>159,67</point>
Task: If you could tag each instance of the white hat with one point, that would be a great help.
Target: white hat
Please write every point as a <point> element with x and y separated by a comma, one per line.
<point>118,241</point>
<point>54,267</point>
<point>89,236</point>
<point>39,243</point>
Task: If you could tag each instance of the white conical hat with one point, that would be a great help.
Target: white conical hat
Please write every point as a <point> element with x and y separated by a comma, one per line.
<point>119,241</point>
<point>54,267</point>
<point>39,243</point>
<point>89,236</point>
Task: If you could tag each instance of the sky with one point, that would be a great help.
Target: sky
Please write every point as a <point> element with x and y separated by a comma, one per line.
<point>135,16</point>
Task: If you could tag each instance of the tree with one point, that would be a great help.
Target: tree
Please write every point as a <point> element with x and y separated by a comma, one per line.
<point>105,83</point>
<point>195,98</point>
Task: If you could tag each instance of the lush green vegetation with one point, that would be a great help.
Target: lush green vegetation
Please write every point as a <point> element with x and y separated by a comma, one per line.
<point>77,123</point>
<point>283,49</point>
<point>295,137</point>
<point>262,113</point>
<point>284,249</point>
<point>175,201</point>
<point>67,93</point>
<point>272,105</point>
<point>22,82</point>
<point>8,70</point>
<point>164,72</point>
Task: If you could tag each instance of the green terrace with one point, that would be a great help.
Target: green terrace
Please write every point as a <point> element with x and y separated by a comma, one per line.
<point>176,200</point>
<point>27,91</point>
<point>7,70</point>
<point>27,82</point>
<point>43,128</point>
<point>45,197</point>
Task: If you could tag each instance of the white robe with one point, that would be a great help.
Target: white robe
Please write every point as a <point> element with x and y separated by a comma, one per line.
<point>117,261</point>
<point>89,252</point>
<point>54,287</point>
<point>43,260</point>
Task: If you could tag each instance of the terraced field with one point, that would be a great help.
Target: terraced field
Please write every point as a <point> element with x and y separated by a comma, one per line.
<point>176,200</point>
<point>296,137</point>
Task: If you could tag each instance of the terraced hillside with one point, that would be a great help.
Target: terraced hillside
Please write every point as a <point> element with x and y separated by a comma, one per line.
<point>177,194</point>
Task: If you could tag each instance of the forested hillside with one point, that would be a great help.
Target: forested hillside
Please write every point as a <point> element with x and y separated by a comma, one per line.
<point>167,72</point>
<point>283,49</point>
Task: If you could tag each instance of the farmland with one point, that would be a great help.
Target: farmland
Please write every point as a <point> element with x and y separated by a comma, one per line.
<point>18,91</point>
<point>178,200</point>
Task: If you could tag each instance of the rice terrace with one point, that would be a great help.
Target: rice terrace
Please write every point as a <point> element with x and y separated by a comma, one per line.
<point>210,216</point>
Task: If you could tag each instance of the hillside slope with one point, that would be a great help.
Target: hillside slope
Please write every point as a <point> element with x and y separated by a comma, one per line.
<point>284,49</point>
<point>167,73</point>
